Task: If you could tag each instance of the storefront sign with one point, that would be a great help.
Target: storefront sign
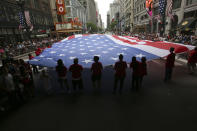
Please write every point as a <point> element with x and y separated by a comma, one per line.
<point>60,7</point>
<point>63,26</point>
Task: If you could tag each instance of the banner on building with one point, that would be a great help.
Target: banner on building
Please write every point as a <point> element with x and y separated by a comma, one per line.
<point>63,26</point>
<point>60,7</point>
<point>149,6</point>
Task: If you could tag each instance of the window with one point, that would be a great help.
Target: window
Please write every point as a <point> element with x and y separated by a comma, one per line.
<point>36,3</point>
<point>189,2</point>
<point>176,4</point>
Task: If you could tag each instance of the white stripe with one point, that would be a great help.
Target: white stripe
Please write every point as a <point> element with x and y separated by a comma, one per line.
<point>78,35</point>
<point>190,47</point>
<point>149,49</point>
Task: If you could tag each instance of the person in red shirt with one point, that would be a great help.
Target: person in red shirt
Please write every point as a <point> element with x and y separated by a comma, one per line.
<point>192,60</point>
<point>38,51</point>
<point>169,65</point>
<point>120,73</point>
<point>96,69</point>
<point>76,70</point>
<point>135,74</point>
<point>142,70</point>
<point>62,71</point>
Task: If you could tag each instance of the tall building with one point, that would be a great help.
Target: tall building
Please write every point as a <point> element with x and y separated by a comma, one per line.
<point>40,18</point>
<point>184,17</point>
<point>74,20</point>
<point>141,17</point>
<point>91,12</point>
<point>108,19</point>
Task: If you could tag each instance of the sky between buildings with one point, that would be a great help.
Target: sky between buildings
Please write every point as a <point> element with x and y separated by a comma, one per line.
<point>103,6</point>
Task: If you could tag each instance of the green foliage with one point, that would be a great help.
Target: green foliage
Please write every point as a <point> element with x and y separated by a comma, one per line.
<point>112,26</point>
<point>92,28</point>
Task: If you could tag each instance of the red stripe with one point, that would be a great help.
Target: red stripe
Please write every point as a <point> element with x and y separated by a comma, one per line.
<point>71,37</point>
<point>85,34</point>
<point>123,40</point>
<point>159,44</point>
<point>167,46</point>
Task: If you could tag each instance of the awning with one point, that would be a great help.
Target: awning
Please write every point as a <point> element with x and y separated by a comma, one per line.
<point>187,24</point>
<point>67,31</point>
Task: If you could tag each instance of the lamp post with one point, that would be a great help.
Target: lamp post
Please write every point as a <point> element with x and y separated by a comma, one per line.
<point>21,4</point>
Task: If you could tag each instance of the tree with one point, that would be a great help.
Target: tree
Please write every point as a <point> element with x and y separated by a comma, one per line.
<point>92,27</point>
<point>113,25</point>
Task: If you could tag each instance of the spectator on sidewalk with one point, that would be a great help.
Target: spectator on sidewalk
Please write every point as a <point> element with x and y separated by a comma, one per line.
<point>35,69</point>
<point>169,65</point>
<point>120,73</point>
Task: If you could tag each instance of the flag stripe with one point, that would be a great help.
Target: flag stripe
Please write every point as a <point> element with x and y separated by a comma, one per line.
<point>179,48</point>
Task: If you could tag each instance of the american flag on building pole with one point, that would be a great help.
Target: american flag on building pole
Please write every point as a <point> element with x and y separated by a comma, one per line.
<point>162,7</point>
<point>21,20</point>
<point>169,9</point>
<point>28,20</point>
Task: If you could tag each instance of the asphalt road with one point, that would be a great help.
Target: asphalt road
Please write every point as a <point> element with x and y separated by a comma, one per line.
<point>157,106</point>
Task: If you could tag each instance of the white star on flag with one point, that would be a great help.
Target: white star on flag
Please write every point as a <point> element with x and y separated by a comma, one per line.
<point>72,57</point>
<point>87,61</point>
<point>140,55</point>
<point>114,58</point>
<point>104,52</point>
<point>110,48</point>
<point>124,48</point>
<point>98,55</point>
<point>121,53</point>
<point>83,53</point>
<point>53,52</point>
<point>71,51</point>
<point>62,55</point>
<point>42,56</point>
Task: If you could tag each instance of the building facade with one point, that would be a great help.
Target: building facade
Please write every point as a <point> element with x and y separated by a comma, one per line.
<point>184,14</point>
<point>141,17</point>
<point>40,17</point>
<point>73,20</point>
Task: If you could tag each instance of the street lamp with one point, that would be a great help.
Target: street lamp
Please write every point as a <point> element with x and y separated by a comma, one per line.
<point>21,4</point>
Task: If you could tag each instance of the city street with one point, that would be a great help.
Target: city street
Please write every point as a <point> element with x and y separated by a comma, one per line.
<point>157,106</point>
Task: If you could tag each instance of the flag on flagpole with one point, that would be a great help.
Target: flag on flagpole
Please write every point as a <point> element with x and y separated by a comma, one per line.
<point>162,7</point>
<point>21,20</point>
<point>28,20</point>
<point>169,9</point>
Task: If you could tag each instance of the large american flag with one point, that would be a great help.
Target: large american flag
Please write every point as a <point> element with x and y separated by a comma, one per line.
<point>107,47</point>
<point>162,7</point>
<point>169,9</point>
<point>28,20</point>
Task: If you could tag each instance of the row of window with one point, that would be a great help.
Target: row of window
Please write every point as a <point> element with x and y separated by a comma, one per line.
<point>139,7</point>
<point>11,15</point>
